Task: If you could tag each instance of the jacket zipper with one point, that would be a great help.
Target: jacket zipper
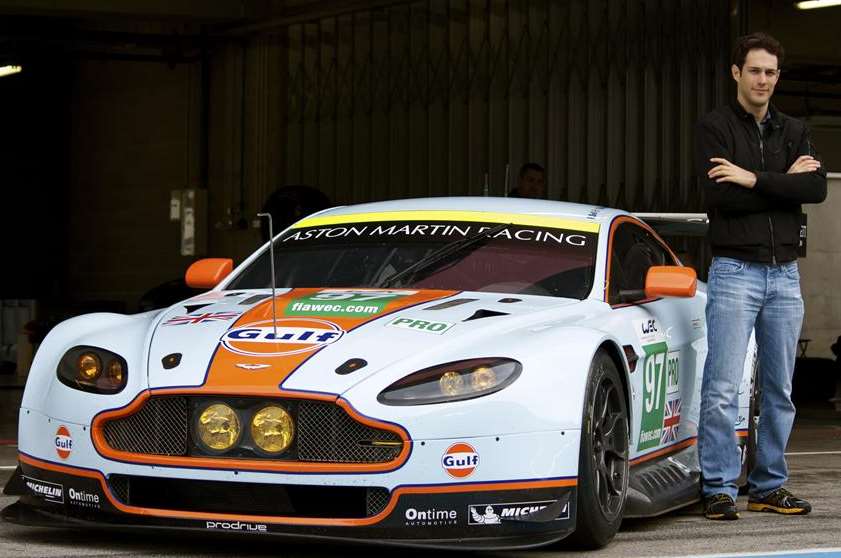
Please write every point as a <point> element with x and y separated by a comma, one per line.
<point>770,223</point>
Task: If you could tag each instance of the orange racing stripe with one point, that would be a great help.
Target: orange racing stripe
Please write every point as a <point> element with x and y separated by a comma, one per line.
<point>664,451</point>
<point>317,521</point>
<point>224,376</point>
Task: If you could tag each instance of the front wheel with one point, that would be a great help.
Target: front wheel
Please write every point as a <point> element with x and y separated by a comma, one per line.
<point>603,459</point>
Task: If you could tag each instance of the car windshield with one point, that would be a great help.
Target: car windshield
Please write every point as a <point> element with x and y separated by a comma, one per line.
<point>425,254</point>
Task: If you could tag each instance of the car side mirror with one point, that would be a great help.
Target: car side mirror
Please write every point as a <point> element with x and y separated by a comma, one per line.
<point>209,272</point>
<point>670,280</point>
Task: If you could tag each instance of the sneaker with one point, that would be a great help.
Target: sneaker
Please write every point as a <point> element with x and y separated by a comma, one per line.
<point>720,506</point>
<point>780,501</point>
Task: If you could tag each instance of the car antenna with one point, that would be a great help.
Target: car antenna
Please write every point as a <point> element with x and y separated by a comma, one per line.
<point>486,185</point>
<point>271,258</point>
<point>507,172</point>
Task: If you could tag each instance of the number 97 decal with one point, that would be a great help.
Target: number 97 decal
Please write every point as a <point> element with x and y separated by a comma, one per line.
<point>661,391</point>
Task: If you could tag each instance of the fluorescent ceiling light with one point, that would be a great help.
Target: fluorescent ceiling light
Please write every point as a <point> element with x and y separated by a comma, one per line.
<point>813,4</point>
<point>9,70</point>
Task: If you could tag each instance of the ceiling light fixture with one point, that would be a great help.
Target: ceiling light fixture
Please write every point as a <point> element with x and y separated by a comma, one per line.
<point>814,4</point>
<point>9,70</point>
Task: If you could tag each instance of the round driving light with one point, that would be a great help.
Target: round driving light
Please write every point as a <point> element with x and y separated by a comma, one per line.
<point>115,372</point>
<point>218,427</point>
<point>451,383</point>
<point>89,366</point>
<point>272,429</point>
<point>482,378</point>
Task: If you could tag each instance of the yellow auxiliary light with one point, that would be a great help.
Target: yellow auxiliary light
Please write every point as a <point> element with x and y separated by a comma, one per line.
<point>218,427</point>
<point>89,367</point>
<point>451,383</point>
<point>272,429</point>
<point>115,372</point>
<point>482,378</point>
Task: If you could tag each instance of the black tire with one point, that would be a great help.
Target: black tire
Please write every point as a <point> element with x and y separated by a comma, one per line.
<point>603,460</point>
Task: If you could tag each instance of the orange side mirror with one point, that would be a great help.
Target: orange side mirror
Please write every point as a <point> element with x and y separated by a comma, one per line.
<point>207,273</point>
<point>670,280</point>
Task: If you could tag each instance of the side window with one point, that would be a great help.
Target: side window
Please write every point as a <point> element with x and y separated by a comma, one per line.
<point>634,251</point>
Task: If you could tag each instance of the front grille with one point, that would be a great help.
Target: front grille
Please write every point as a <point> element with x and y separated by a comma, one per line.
<point>158,428</point>
<point>119,486</point>
<point>249,498</point>
<point>328,435</point>
<point>377,499</point>
<point>325,433</point>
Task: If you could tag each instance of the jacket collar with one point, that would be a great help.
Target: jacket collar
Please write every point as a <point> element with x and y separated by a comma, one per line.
<point>776,121</point>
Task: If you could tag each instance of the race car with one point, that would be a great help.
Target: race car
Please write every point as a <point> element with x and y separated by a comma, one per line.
<point>444,372</point>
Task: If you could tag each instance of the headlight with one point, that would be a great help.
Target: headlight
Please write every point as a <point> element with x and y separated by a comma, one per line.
<point>454,381</point>
<point>93,370</point>
<point>272,429</point>
<point>218,427</point>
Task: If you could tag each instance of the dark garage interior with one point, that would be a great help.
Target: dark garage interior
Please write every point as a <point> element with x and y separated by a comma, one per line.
<point>141,135</point>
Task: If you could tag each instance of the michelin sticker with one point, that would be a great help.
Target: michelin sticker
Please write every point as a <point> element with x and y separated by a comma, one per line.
<point>49,491</point>
<point>661,404</point>
<point>426,326</point>
<point>344,303</point>
<point>494,514</point>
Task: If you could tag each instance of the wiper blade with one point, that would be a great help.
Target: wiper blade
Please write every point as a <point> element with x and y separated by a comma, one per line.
<point>441,253</point>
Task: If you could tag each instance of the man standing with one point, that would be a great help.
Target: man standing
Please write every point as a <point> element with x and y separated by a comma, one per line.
<point>757,166</point>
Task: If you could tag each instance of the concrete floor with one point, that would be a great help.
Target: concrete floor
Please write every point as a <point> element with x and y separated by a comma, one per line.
<point>815,467</point>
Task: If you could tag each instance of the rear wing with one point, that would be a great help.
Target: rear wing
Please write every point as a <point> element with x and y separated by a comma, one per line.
<point>676,224</point>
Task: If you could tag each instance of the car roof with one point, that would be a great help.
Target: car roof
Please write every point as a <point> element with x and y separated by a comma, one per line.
<point>584,212</point>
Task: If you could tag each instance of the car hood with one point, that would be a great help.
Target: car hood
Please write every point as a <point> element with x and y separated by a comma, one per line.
<point>328,340</point>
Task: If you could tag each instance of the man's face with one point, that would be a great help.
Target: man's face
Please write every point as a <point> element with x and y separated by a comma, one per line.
<point>757,78</point>
<point>532,184</point>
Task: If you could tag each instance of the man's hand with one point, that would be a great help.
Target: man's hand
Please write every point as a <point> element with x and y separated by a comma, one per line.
<point>804,163</point>
<point>726,171</point>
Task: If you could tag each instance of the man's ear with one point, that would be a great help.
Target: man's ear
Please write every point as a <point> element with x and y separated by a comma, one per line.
<point>736,72</point>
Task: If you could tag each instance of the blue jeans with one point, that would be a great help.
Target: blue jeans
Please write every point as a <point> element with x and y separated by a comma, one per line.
<point>742,296</point>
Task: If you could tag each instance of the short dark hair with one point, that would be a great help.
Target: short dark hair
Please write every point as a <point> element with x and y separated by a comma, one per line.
<point>764,41</point>
<point>531,166</point>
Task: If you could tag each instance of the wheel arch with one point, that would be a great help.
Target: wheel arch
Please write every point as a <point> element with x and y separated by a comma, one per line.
<point>613,350</point>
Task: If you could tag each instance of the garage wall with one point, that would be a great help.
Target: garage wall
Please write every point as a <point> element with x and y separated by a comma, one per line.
<point>416,99</point>
<point>427,98</point>
<point>134,137</point>
<point>820,270</point>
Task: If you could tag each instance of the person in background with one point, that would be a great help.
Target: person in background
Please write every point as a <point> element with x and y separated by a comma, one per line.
<point>531,182</point>
<point>288,204</point>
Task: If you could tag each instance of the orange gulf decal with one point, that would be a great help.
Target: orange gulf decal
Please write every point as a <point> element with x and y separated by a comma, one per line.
<point>307,321</point>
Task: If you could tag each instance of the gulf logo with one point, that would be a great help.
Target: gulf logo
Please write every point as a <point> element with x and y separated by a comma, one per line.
<point>63,442</point>
<point>460,460</point>
<point>293,336</point>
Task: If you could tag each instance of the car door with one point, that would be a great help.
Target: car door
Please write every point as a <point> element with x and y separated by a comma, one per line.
<point>664,334</point>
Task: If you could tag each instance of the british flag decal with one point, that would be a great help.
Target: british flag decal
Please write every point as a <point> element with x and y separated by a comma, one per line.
<point>671,421</point>
<point>201,318</point>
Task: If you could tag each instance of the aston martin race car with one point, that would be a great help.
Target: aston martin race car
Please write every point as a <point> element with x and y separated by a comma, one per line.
<point>470,372</point>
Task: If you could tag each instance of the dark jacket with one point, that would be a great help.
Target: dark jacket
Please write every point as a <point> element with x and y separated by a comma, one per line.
<point>760,224</point>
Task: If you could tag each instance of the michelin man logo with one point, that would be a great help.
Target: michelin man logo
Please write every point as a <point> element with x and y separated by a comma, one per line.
<point>489,517</point>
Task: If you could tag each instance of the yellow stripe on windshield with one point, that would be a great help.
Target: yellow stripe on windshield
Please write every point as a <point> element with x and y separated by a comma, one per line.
<point>456,216</point>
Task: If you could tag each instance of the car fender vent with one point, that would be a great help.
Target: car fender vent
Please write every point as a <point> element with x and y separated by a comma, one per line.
<point>482,313</point>
<point>190,308</point>
<point>451,303</point>
<point>252,299</point>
